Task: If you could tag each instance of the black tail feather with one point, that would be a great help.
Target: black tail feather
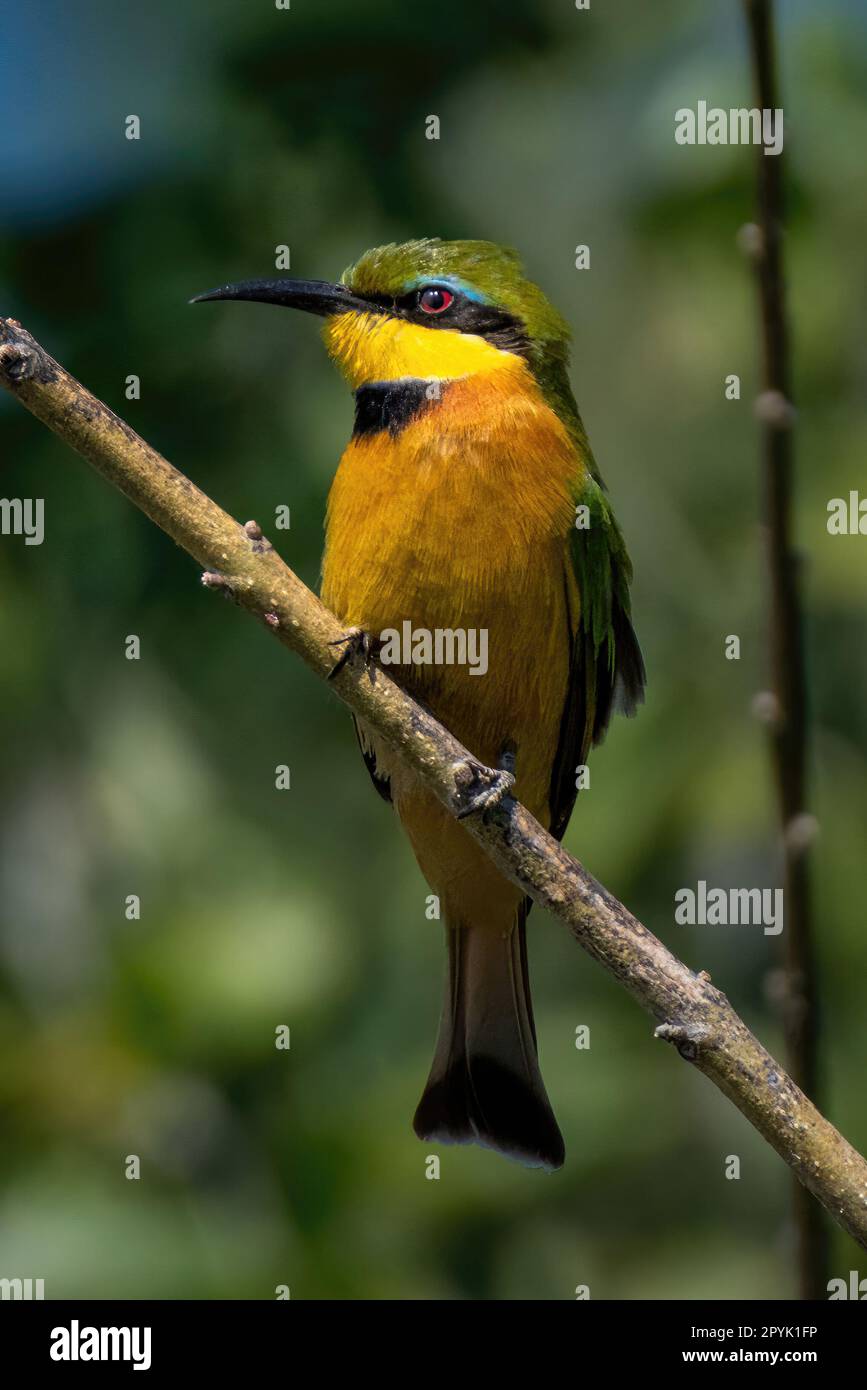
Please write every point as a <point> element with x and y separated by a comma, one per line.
<point>485,1086</point>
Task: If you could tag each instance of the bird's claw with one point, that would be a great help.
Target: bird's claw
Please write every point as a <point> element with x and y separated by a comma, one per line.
<point>356,642</point>
<point>481,789</point>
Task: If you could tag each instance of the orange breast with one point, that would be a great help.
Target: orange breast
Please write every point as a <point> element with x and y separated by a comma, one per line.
<point>462,521</point>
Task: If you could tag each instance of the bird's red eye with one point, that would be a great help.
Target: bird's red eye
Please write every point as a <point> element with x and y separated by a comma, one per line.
<point>434,299</point>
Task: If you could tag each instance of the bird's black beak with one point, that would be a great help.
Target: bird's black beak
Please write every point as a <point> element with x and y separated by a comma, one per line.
<point>316,296</point>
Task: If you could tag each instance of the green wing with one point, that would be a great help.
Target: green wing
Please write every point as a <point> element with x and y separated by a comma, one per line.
<point>606,669</point>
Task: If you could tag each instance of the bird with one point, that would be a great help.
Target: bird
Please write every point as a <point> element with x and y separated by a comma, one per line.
<point>468,499</point>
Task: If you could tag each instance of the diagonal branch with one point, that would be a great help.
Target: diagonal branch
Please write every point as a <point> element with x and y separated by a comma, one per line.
<point>690,1012</point>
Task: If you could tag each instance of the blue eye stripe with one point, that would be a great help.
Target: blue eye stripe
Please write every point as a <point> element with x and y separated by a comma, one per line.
<point>447,282</point>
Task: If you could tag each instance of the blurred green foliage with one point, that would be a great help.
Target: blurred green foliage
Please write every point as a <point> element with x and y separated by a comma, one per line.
<point>306,127</point>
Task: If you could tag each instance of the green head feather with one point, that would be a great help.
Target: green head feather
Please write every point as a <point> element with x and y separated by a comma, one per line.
<point>488,272</point>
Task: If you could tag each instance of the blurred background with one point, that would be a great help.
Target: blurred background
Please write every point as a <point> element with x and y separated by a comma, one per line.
<point>260,128</point>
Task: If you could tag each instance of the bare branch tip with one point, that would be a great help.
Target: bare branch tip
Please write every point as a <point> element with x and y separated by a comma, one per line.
<point>17,362</point>
<point>21,357</point>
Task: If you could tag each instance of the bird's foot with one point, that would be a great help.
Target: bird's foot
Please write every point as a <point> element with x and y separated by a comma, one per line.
<point>481,789</point>
<point>508,757</point>
<point>356,642</point>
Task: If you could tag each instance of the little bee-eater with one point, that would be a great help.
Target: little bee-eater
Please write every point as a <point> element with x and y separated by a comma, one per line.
<point>468,500</point>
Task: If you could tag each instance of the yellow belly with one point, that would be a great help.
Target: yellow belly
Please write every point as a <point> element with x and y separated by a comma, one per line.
<point>465,527</point>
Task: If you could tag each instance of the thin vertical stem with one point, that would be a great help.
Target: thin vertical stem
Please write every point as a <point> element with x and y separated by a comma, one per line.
<point>789,722</point>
